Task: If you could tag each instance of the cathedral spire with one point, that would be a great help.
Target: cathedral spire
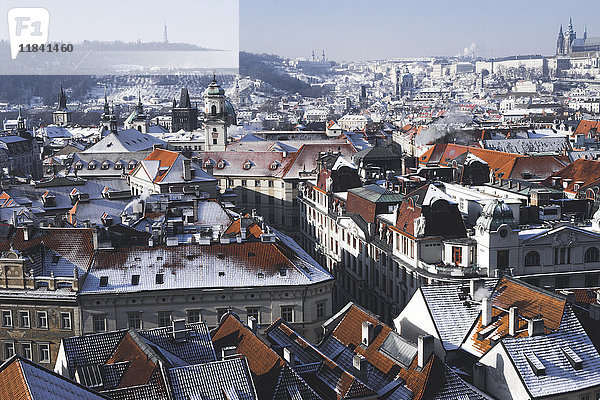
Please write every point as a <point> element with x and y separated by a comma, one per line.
<point>570,30</point>
<point>585,32</point>
<point>62,99</point>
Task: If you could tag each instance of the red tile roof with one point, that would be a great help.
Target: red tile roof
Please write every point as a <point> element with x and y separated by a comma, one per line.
<point>584,127</point>
<point>264,363</point>
<point>12,383</point>
<point>586,171</point>
<point>140,368</point>
<point>166,159</point>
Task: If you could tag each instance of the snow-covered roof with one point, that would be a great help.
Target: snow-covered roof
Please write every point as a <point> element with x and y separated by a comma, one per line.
<point>128,140</point>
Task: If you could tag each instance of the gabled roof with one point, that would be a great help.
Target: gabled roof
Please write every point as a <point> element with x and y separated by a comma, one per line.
<point>128,140</point>
<point>586,171</point>
<point>165,166</point>
<point>433,381</point>
<point>21,379</point>
<point>554,351</point>
<point>584,127</point>
<point>271,374</point>
<point>228,380</point>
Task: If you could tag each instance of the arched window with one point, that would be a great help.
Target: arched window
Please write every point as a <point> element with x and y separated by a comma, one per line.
<point>591,255</point>
<point>213,109</point>
<point>532,259</point>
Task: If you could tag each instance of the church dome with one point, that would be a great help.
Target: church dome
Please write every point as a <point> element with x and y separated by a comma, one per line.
<point>230,111</point>
<point>495,214</point>
<point>215,89</point>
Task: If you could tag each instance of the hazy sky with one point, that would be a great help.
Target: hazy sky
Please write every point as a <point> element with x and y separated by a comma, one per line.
<point>372,29</point>
<point>209,23</point>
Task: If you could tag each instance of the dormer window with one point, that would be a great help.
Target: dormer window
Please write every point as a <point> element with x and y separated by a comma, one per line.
<point>208,163</point>
<point>132,164</point>
<point>274,165</point>
<point>105,165</point>
<point>119,165</point>
<point>92,165</point>
<point>221,164</point>
<point>247,165</point>
<point>78,165</point>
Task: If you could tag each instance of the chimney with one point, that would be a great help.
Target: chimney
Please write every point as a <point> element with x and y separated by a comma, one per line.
<point>475,285</point>
<point>25,233</point>
<point>360,366</point>
<point>425,349</point>
<point>210,168</point>
<point>179,331</point>
<point>243,233</point>
<point>368,333</point>
<point>289,356</point>
<point>479,376</point>
<point>513,320</point>
<point>486,311</point>
<point>252,324</point>
<point>535,327</point>
<point>228,352</point>
<point>95,239</point>
<point>187,169</point>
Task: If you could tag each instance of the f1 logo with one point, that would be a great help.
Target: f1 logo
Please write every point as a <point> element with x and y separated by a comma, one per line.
<point>27,26</point>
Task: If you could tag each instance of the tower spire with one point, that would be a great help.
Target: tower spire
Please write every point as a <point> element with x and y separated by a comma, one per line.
<point>584,32</point>
<point>165,37</point>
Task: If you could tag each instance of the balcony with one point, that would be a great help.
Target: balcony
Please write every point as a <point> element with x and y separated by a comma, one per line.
<point>473,270</point>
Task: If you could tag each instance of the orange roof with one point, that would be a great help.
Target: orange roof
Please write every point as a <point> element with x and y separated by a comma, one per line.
<point>253,230</point>
<point>443,154</point>
<point>531,302</point>
<point>166,158</point>
<point>12,383</point>
<point>140,368</point>
<point>584,127</point>
<point>423,382</point>
<point>264,363</point>
<point>586,171</point>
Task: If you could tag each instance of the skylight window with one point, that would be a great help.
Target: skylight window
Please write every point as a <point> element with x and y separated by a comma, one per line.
<point>575,361</point>
<point>538,368</point>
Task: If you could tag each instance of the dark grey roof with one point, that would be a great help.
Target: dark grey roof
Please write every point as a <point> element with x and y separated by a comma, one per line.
<point>376,194</point>
<point>229,379</point>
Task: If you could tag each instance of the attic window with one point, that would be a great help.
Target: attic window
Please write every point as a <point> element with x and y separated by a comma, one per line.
<point>283,272</point>
<point>137,259</point>
<point>160,279</point>
<point>159,258</point>
<point>78,165</point>
<point>247,165</point>
<point>135,280</point>
<point>261,275</point>
<point>536,365</point>
<point>103,281</point>
<point>105,165</point>
<point>221,164</point>
<point>89,375</point>
<point>55,259</point>
<point>131,164</point>
<point>92,165</point>
<point>274,165</point>
<point>119,165</point>
<point>220,256</point>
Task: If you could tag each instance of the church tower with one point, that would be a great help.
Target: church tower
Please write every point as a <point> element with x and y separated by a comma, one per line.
<point>108,121</point>
<point>62,115</point>
<point>184,116</point>
<point>22,126</point>
<point>570,36</point>
<point>215,117</point>
<point>138,118</point>
<point>560,42</point>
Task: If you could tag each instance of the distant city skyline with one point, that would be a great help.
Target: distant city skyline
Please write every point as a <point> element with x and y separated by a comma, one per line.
<point>381,29</point>
<point>207,23</point>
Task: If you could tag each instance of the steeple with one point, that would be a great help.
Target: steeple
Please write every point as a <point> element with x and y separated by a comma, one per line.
<point>560,42</point>
<point>62,99</point>
<point>106,107</point>
<point>20,122</point>
<point>570,30</point>
<point>184,100</point>
<point>323,57</point>
<point>140,106</point>
<point>165,38</point>
<point>585,32</point>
